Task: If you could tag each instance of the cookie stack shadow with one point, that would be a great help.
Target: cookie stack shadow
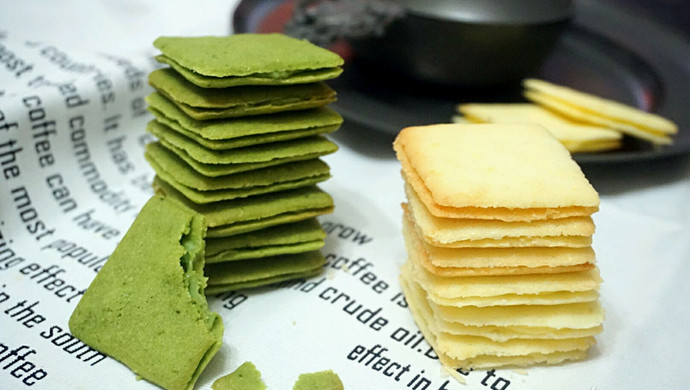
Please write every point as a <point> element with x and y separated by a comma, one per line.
<point>241,124</point>
<point>498,230</point>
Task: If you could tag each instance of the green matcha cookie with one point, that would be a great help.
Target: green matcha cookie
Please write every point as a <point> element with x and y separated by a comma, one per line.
<point>238,132</point>
<point>248,59</point>
<point>234,275</point>
<point>241,132</point>
<point>238,129</point>
<point>217,103</point>
<point>210,196</point>
<point>167,164</point>
<point>249,154</point>
<point>256,212</point>
<point>146,306</point>
<point>245,377</point>
<point>303,236</point>
<point>322,380</point>
<point>216,170</point>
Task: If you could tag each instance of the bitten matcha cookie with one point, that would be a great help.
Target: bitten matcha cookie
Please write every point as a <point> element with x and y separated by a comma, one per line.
<point>248,59</point>
<point>146,307</point>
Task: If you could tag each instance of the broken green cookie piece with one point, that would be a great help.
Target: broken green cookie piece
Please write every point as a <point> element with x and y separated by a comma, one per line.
<point>216,103</point>
<point>256,212</point>
<point>322,380</point>
<point>247,59</point>
<point>165,162</point>
<point>233,275</point>
<point>245,377</point>
<point>146,306</point>
<point>250,154</point>
<point>303,236</point>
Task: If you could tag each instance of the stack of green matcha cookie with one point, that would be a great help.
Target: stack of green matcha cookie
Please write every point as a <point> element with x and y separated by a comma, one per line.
<point>240,122</point>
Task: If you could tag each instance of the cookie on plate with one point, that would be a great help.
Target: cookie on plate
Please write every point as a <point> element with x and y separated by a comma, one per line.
<point>244,131</point>
<point>575,136</point>
<point>592,109</point>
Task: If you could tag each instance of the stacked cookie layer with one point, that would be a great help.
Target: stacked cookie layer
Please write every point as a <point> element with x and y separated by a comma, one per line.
<point>498,230</point>
<point>241,123</point>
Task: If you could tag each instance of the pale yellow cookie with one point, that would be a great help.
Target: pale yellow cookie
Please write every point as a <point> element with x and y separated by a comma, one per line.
<point>504,333</point>
<point>509,242</point>
<point>496,286</point>
<point>576,137</point>
<point>573,316</point>
<point>423,316</point>
<point>547,298</point>
<point>497,213</point>
<point>530,257</point>
<point>440,231</point>
<point>592,109</point>
<point>479,165</point>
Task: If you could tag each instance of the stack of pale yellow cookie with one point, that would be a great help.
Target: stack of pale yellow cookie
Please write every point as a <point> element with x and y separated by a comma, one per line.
<point>498,231</point>
<point>581,121</point>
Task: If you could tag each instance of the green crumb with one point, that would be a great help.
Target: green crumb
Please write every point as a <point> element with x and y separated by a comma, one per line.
<point>322,380</point>
<point>245,377</point>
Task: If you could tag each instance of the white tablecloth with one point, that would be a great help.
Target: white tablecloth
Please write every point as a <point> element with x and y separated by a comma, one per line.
<point>642,239</point>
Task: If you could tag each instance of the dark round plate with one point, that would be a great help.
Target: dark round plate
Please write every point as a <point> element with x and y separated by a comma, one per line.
<point>608,50</point>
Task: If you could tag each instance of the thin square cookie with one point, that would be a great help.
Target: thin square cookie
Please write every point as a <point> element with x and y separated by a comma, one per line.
<point>504,242</point>
<point>478,166</point>
<point>588,108</point>
<point>496,261</point>
<point>241,132</point>
<point>217,103</point>
<point>576,137</point>
<point>421,313</point>
<point>217,170</point>
<point>251,154</point>
<point>447,231</point>
<point>248,59</point>
<point>493,286</point>
<point>257,212</point>
<point>233,275</point>
<point>303,236</point>
<point>163,160</point>
<point>210,196</point>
